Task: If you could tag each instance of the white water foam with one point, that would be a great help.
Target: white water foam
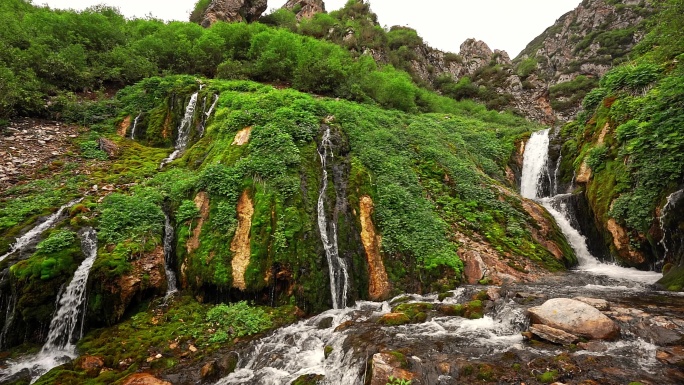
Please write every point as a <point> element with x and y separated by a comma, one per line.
<point>59,347</point>
<point>35,232</point>
<point>534,163</point>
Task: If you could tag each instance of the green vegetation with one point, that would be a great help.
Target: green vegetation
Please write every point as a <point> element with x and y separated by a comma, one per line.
<point>630,134</point>
<point>397,381</point>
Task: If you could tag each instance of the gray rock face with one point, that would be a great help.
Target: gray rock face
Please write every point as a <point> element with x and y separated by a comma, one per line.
<point>233,11</point>
<point>552,334</point>
<point>305,9</point>
<point>574,317</point>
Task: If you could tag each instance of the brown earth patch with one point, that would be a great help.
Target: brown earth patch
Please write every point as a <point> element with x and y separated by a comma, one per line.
<point>379,286</point>
<point>240,244</point>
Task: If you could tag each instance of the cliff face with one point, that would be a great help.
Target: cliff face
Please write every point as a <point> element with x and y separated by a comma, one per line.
<point>562,64</point>
<point>232,11</point>
<point>305,9</point>
<point>548,80</point>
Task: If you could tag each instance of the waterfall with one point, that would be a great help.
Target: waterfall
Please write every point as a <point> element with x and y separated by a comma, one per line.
<point>208,114</point>
<point>9,318</point>
<point>168,257</point>
<point>28,238</point>
<point>183,131</point>
<point>669,205</point>
<point>64,322</point>
<point>534,168</point>
<point>59,347</point>
<point>135,125</point>
<point>339,276</point>
<point>534,164</point>
<point>554,185</point>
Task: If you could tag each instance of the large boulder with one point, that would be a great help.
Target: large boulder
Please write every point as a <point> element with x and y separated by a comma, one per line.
<point>305,9</point>
<point>233,11</point>
<point>386,365</point>
<point>574,317</point>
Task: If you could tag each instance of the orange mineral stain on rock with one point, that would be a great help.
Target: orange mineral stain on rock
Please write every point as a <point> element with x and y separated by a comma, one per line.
<point>242,137</point>
<point>166,130</point>
<point>621,241</point>
<point>202,204</point>
<point>124,126</point>
<point>240,244</point>
<point>379,287</point>
<point>143,379</point>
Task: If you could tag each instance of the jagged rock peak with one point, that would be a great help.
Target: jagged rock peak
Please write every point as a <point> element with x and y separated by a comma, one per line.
<point>305,9</point>
<point>477,54</point>
<point>233,10</point>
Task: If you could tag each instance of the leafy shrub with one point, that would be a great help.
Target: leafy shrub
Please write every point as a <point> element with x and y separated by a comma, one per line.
<point>56,241</point>
<point>596,157</point>
<point>594,98</point>
<point>224,219</point>
<point>221,180</point>
<point>239,319</point>
<point>91,150</point>
<point>526,67</point>
<point>129,217</point>
<point>187,211</point>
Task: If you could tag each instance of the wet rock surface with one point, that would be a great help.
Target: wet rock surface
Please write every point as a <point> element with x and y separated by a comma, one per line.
<point>574,317</point>
<point>448,349</point>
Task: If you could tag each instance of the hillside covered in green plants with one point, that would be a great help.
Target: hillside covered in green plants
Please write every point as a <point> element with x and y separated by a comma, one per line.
<point>626,149</point>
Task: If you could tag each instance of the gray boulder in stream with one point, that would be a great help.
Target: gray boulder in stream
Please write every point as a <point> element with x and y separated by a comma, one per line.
<point>574,317</point>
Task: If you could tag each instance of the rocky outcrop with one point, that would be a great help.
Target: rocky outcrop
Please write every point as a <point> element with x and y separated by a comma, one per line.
<point>378,286</point>
<point>240,244</point>
<point>233,11</point>
<point>386,365</point>
<point>621,241</point>
<point>146,277</point>
<point>574,317</point>
<point>305,9</point>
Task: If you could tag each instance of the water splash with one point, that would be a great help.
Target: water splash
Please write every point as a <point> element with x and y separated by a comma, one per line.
<point>183,131</point>
<point>28,238</point>
<point>135,126</point>
<point>339,276</point>
<point>534,164</point>
<point>534,167</point>
<point>171,288</point>
<point>59,347</point>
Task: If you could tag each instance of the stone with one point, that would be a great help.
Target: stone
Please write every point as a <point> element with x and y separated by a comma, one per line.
<point>394,319</point>
<point>233,11</point>
<point>574,317</point>
<point>593,346</point>
<point>305,9</point>
<point>554,335</point>
<point>92,365</point>
<point>474,267</point>
<point>143,379</point>
<point>209,371</point>
<point>672,355</point>
<point>599,304</point>
<point>109,147</point>
<point>386,365</point>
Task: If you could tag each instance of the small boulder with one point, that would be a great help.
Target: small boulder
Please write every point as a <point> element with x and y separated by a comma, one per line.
<point>92,365</point>
<point>143,379</point>
<point>109,147</point>
<point>576,318</point>
<point>386,365</point>
<point>550,334</point>
<point>394,319</point>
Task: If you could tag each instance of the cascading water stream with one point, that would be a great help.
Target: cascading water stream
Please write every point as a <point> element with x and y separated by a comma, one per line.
<point>339,276</point>
<point>28,238</point>
<point>208,114</point>
<point>135,126</point>
<point>674,197</point>
<point>168,257</point>
<point>183,131</point>
<point>59,346</point>
<point>534,166</point>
